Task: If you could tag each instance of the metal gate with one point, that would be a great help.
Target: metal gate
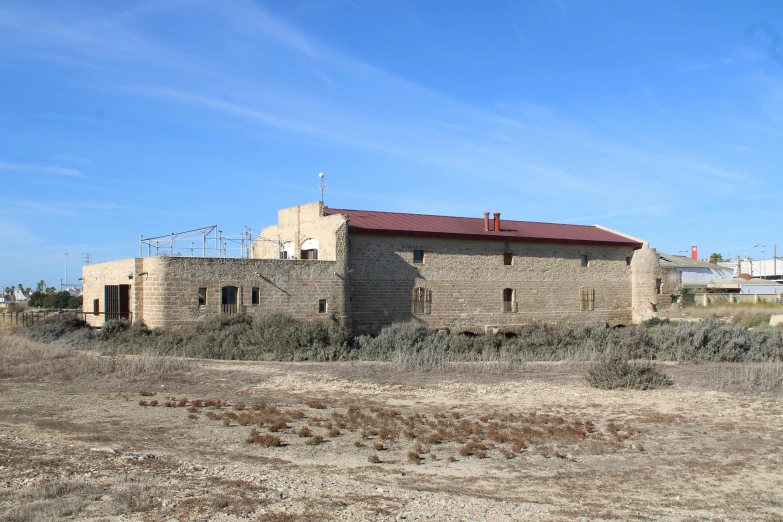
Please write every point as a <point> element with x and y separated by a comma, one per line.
<point>116,301</point>
<point>229,299</point>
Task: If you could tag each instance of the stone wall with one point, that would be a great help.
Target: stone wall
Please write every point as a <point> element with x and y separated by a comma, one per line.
<point>466,279</point>
<point>298,224</point>
<point>96,276</point>
<point>168,287</point>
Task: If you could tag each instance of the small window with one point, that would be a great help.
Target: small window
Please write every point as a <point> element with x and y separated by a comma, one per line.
<point>508,300</point>
<point>627,260</point>
<point>322,306</point>
<point>255,298</point>
<point>587,297</point>
<point>202,296</point>
<point>96,307</point>
<point>658,286</point>
<point>507,258</point>
<point>418,256</point>
<point>583,260</point>
<point>421,301</point>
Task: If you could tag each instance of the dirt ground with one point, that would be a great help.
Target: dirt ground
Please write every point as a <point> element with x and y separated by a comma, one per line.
<point>537,444</point>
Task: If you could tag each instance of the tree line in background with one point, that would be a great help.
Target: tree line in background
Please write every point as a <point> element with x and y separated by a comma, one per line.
<point>45,297</point>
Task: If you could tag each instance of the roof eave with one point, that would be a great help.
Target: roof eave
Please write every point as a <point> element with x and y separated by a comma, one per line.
<point>490,236</point>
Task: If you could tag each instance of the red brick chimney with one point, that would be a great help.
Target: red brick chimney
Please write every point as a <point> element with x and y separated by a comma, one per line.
<point>486,221</point>
<point>497,221</point>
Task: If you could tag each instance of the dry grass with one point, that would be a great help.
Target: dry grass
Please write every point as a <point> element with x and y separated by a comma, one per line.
<point>59,499</point>
<point>24,358</point>
<point>749,376</point>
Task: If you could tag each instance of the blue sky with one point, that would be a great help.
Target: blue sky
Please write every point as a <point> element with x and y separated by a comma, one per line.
<point>117,119</point>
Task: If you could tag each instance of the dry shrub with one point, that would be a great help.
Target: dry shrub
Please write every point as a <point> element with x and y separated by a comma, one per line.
<point>333,432</point>
<point>414,457</point>
<point>316,405</point>
<point>280,425</point>
<point>374,459</point>
<point>468,449</point>
<point>378,446</point>
<point>269,441</point>
<point>616,372</point>
<point>315,440</point>
<point>304,431</point>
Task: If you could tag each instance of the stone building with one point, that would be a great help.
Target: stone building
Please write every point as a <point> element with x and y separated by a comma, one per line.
<point>366,269</point>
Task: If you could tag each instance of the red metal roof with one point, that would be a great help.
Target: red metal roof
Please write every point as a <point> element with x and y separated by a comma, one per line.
<point>422,225</point>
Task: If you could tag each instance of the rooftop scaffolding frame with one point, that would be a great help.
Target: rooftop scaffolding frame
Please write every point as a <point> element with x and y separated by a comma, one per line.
<point>212,243</point>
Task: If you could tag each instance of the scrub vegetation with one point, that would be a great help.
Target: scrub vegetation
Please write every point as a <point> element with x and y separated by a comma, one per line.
<point>414,347</point>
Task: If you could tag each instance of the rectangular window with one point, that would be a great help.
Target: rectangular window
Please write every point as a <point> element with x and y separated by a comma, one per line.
<point>509,305</point>
<point>587,297</point>
<point>96,307</point>
<point>322,306</point>
<point>418,256</point>
<point>255,298</point>
<point>507,257</point>
<point>658,286</point>
<point>421,301</point>
<point>627,260</point>
<point>202,296</point>
<point>310,254</point>
<point>583,260</point>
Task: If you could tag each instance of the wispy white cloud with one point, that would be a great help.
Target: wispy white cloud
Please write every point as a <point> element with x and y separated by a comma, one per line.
<point>40,169</point>
<point>74,208</point>
<point>649,210</point>
<point>72,158</point>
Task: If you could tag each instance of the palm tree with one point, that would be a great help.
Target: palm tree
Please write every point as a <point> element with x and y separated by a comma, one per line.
<point>716,258</point>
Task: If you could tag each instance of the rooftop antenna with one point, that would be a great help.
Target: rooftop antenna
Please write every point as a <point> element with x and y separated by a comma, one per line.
<point>323,185</point>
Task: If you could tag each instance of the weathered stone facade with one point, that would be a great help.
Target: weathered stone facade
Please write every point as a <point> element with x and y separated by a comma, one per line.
<point>165,290</point>
<point>466,280</point>
<point>370,280</point>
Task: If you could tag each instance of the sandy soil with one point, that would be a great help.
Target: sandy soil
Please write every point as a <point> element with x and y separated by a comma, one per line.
<point>86,449</point>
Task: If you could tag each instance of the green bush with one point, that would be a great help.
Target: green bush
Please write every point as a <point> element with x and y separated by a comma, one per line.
<point>754,321</point>
<point>616,372</point>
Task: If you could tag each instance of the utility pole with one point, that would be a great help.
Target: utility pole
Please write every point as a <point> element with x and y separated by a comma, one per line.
<point>66,269</point>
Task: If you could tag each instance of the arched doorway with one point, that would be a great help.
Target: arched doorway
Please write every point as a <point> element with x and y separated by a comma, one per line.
<point>228,299</point>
